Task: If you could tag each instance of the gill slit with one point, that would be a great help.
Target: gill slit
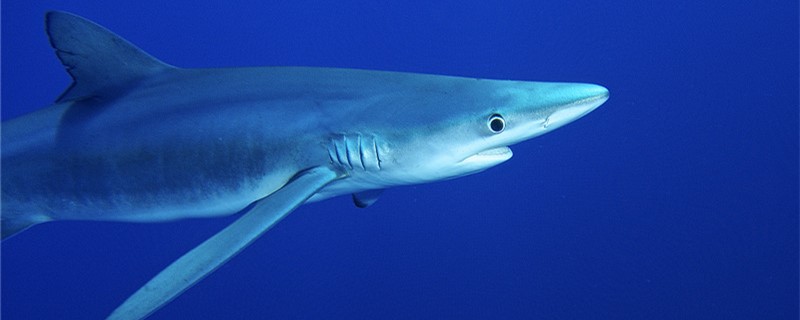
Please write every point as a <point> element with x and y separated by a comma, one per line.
<point>361,153</point>
<point>338,153</point>
<point>375,149</point>
<point>347,153</point>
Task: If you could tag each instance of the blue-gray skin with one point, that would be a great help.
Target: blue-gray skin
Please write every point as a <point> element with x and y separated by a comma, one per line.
<point>134,139</point>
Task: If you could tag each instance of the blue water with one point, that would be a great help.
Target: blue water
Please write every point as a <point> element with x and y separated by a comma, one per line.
<point>677,199</point>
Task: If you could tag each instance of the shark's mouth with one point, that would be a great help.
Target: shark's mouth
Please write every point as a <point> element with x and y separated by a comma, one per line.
<point>490,156</point>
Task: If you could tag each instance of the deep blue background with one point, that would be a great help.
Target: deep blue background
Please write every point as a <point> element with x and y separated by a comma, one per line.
<point>676,199</point>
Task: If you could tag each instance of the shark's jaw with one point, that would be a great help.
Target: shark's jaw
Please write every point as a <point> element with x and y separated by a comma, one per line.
<point>489,157</point>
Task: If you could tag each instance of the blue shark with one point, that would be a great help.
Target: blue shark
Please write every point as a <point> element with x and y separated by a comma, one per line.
<point>136,139</point>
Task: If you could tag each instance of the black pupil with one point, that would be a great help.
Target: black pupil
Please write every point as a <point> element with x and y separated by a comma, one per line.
<point>496,124</point>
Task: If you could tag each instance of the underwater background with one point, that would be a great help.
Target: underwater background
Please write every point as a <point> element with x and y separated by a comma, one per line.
<point>677,199</point>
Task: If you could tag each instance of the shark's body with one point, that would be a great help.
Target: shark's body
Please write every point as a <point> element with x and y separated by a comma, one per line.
<point>134,139</point>
<point>206,142</point>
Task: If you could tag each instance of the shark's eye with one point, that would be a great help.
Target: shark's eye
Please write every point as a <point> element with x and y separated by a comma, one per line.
<point>496,123</point>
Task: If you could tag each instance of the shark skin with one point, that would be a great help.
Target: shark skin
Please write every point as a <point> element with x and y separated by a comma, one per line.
<point>135,139</point>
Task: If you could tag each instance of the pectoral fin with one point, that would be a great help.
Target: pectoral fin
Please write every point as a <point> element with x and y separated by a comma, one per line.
<point>205,258</point>
<point>366,198</point>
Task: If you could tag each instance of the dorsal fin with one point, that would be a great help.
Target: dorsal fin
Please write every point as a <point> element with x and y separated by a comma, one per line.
<point>98,60</point>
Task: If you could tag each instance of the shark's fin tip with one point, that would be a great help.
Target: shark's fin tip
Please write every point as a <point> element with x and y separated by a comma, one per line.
<point>12,226</point>
<point>365,199</point>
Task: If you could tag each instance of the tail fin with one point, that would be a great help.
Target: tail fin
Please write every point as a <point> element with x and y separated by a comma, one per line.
<point>98,60</point>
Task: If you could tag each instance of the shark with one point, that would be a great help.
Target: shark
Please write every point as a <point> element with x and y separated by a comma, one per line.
<point>136,139</point>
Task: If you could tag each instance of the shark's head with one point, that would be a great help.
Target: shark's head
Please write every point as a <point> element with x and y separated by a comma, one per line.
<point>471,126</point>
<point>412,129</point>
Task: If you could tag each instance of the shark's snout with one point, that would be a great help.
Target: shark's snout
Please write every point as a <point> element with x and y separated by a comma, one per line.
<point>572,101</point>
